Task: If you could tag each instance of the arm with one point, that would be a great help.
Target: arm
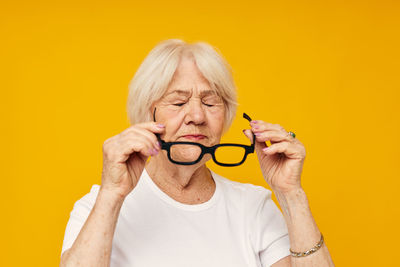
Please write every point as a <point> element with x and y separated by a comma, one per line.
<point>282,165</point>
<point>303,231</point>
<point>93,245</point>
<point>124,157</point>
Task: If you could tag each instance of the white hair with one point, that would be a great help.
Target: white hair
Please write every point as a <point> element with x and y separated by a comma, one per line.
<point>156,71</point>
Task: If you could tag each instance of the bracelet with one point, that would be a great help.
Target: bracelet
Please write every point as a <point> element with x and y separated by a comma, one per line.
<point>310,251</point>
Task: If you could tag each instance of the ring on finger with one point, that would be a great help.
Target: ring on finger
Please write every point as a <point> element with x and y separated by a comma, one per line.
<point>292,134</point>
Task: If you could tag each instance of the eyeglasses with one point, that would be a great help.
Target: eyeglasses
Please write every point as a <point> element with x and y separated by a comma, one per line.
<point>189,153</point>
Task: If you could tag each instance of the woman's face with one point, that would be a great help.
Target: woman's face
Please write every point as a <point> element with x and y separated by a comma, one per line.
<point>190,109</point>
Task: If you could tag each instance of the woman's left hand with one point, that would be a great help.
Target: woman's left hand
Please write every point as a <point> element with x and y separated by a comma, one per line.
<point>282,162</point>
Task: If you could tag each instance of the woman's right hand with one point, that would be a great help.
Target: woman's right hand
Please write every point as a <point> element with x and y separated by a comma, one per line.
<point>125,155</point>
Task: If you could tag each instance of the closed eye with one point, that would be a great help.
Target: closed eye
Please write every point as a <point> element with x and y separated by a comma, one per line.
<point>208,105</point>
<point>178,104</point>
<point>183,103</point>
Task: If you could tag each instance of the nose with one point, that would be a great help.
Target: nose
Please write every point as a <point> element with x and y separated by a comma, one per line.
<point>195,113</point>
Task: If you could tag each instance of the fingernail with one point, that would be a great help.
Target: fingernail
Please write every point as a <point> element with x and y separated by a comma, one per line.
<point>257,134</point>
<point>255,127</point>
<point>158,144</point>
<point>265,148</point>
<point>253,122</point>
<point>160,125</point>
<point>155,152</point>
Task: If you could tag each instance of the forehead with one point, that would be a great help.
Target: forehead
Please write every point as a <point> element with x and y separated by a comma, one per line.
<point>190,92</point>
<point>188,79</point>
<point>189,82</point>
<point>187,70</point>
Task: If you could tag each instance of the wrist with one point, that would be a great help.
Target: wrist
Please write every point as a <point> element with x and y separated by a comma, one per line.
<point>292,202</point>
<point>291,194</point>
<point>110,196</point>
<point>302,228</point>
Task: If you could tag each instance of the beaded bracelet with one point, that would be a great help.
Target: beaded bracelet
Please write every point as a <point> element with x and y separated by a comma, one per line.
<point>310,251</point>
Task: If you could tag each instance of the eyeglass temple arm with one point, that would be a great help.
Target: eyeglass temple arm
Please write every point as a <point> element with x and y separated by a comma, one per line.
<point>247,117</point>
<point>158,135</point>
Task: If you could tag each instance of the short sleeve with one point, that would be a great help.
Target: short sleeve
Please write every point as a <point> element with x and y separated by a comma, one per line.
<point>270,230</point>
<point>78,216</point>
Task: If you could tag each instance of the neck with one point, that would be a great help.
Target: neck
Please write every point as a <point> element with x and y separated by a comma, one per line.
<point>187,183</point>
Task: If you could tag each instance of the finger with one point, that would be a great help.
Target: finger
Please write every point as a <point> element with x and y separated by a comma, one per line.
<point>156,126</point>
<point>138,144</point>
<point>150,126</point>
<point>289,149</point>
<point>148,130</point>
<point>260,126</point>
<point>119,151</point>
<point>258,145</point>
<point>273,136</point>
<point>144,144</point>
<point>150,136</point>
<point>249,134</point>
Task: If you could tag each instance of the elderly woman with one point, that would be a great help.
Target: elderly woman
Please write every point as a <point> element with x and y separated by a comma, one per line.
<point>158,203</point>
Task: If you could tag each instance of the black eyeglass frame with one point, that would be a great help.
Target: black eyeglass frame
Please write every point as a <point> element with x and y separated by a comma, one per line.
<point>205,149</point>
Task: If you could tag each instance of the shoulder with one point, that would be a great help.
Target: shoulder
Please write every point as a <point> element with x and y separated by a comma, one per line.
<point>88,200</point>
<point>78,216</point>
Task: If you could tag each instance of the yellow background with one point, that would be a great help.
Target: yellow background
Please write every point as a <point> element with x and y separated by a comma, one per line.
<point>327,70</point>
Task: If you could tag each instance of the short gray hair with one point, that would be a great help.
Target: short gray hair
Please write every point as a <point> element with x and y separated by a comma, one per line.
<point>156,71</point>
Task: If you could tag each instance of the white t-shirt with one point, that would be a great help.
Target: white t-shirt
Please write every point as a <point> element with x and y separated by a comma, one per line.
<point>239,226</point>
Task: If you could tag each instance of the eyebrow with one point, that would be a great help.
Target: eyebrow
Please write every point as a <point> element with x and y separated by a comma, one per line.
<point>187,93</point>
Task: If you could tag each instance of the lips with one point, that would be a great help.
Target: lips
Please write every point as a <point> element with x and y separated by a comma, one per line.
<point>194,136</point>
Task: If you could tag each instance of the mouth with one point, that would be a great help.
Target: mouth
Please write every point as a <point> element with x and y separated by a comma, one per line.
<point>194,137</point>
